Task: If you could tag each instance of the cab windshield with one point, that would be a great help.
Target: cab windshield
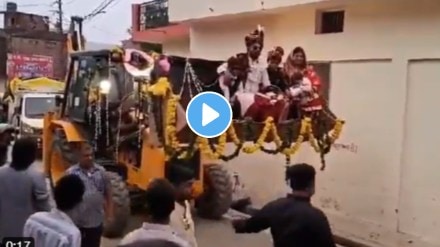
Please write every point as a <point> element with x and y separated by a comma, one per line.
<point>37,107</point>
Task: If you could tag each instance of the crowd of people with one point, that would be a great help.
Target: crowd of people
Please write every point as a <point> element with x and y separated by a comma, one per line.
<point>279,89</point>
<point>83,202</point>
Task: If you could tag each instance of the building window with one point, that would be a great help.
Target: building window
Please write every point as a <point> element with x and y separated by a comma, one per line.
<point>330,21</point>
<point>153,14</point>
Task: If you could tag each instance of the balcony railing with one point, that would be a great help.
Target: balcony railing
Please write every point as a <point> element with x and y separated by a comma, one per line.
<point>153,14</point>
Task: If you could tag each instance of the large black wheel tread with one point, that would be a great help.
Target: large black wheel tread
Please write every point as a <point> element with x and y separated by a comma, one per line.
<point>217,198</point>
<point>121,203</point>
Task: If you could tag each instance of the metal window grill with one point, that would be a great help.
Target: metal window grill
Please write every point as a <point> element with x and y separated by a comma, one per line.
<point>332,22</point>
<point>153,14</point>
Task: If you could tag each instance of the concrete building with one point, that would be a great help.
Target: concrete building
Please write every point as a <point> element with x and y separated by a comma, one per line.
<point>28,36</point>
<point>381,184</point>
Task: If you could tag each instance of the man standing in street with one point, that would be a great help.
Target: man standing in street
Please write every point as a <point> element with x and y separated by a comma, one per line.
<point>156,230</point>
<point>181,219</point>
<point>23,190</point>
<point>56,228</point>
<point>292,220</point>
<point>97,201</point>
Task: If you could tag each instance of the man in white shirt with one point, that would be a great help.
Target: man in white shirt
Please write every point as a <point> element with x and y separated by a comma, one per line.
<point>160,199</point>
<point>257,77</point>
<point>181,218</point>
<point>56,228</point>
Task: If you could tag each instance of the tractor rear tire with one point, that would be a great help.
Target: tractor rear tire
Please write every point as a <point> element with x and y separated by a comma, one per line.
<point>217,196</point>
<point>121,206</point>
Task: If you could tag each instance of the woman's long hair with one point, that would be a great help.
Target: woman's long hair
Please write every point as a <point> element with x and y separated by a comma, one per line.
<point>290,69</point>
<point>296,50</point>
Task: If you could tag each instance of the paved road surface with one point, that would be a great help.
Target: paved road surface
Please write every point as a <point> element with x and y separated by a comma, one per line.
<point>220,233</point>
<point>209,233</point>
<point>213,234</point>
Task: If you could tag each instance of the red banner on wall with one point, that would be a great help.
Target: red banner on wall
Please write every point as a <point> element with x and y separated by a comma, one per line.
<point>29,66</point>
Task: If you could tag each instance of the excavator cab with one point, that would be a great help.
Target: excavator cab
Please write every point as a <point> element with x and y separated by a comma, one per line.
<point>91,75</point>
<point>96,85</point>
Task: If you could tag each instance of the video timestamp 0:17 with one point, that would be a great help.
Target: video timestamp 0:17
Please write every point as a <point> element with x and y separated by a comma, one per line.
<point>18,242</point>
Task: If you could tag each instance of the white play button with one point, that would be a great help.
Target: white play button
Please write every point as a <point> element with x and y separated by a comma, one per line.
<point>208,114</point>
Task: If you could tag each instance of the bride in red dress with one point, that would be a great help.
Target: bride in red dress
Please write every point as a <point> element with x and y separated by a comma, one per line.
<point>305,84</point>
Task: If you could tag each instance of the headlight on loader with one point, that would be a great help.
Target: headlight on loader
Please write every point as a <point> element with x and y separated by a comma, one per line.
<point>105,86</point>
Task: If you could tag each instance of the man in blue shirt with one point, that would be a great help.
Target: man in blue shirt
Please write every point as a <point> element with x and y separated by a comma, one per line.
<point>97,198</point>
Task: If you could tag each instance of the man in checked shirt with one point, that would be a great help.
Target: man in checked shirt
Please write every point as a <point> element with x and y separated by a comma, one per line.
<point>97,198</point>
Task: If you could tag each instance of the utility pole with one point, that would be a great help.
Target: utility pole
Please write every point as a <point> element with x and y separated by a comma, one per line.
<point>59,4</point>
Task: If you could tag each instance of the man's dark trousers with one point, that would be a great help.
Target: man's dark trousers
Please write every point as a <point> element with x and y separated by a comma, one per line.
<point>91,237</point>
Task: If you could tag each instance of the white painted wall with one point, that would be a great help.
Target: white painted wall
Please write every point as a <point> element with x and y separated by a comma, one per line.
<point>220,41</point>
<point>373,29</point>
<point>195,9</point>
<point>420,196</point>
<point>385,192</point>
<point>177,47</point>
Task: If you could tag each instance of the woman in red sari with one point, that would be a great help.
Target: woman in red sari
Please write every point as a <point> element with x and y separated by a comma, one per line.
<point>303,80</point>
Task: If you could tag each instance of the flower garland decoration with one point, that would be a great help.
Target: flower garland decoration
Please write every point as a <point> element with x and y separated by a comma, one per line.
<point>279,144</point>
<point>98,121</point>
<point>216,151</point>
<point>233,134</point>
<point>323,145</point>
<point>161,87</point>
<point>107,122</point>
<point>271,127</point>
<point>238,145</point>
<point>335,134</point>
<point>117,54</point>
<point>222,144</point>
<point>268,125</point>
<point>170,123</point>
<point>303,132</point>
<point>203,144</point>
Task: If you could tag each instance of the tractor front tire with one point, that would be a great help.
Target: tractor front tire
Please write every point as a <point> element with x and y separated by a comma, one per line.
<point>121,206</point>
<point>217,196</point>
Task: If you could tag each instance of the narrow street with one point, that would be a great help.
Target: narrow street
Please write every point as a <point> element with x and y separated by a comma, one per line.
<point>209,233</point>
<point>212,234</point>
